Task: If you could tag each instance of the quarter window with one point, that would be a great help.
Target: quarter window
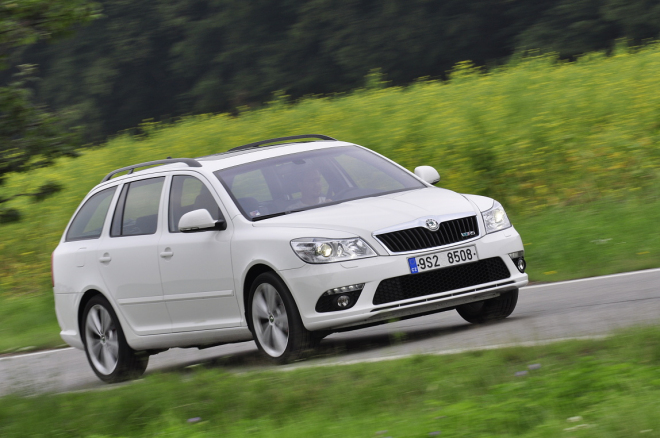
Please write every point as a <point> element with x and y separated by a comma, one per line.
<point>187,194</point>
<point>89,221</point>
<point>137,209</point>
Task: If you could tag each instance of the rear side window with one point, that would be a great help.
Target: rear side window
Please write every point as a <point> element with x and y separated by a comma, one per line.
<point>136,213</point>
<point>187,194</point>
<point>89,221</point>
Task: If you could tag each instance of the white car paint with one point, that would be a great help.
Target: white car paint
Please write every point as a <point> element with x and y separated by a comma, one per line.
<point>181,290</point>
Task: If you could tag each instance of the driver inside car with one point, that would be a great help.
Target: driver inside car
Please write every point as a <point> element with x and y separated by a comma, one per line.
<point>311,190</point>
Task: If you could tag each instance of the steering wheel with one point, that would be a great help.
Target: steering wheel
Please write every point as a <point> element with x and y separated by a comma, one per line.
<point>338,196</point>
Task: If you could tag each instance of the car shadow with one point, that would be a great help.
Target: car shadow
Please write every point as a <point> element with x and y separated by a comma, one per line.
<point>338,346</point>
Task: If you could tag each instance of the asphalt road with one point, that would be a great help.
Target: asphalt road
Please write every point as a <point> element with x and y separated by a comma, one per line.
<point>588,307</point>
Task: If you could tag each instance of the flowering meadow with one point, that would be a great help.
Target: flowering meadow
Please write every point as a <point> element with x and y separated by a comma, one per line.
<point>538,134</point>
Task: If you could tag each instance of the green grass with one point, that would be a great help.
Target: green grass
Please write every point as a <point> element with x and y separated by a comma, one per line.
<point>598,238</point>
<point>563,242</point>
<point>28,323</point>
<point>535,134</point>
<point>570,149</point>
<point>613,384</point>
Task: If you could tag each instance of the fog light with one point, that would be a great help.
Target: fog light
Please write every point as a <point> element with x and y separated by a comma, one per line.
<point>518,259</point>
<point>339,298</point>
<point>343,301</point>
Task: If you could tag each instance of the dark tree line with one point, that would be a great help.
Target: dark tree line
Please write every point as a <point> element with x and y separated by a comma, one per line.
<point>165,58</point>
<point>30,135</point>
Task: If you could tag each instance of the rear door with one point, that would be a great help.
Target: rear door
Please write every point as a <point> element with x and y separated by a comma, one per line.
<point>75,262</point>
<point>196,270</point>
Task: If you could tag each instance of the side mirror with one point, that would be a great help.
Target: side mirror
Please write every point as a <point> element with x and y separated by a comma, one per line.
<point>200,220</point>
<point>428,174</point>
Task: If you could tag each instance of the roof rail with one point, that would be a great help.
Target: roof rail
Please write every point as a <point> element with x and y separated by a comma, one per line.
<point>189,161</point>
<point>279,140</point>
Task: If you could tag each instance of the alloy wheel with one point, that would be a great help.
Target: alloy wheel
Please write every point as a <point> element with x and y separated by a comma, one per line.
<point>101,339</point>
<point>269,319</point>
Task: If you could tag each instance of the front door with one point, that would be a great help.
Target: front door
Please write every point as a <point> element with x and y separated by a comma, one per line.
<point>195,268</point>
<point>128,257</point>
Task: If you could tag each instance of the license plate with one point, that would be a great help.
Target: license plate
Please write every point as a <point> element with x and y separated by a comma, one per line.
<point>443,259</point>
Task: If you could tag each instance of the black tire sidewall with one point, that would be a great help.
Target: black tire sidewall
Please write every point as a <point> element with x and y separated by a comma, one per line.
<point>493,309</point>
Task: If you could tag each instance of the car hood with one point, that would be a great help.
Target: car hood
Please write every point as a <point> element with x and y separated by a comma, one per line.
<point>367,215</point>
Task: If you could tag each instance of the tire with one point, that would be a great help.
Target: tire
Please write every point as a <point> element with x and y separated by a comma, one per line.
<point>320,335</point>
<point>489,310</point>
<point>275,321</point>
<point>108,353</point>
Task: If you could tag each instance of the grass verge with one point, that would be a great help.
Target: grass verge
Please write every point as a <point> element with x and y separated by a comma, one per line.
<point>570,149</point>
<point>28,322</point>
<point>585,240</point>
<point>612,385</point>
<point>561,243</point>
<point>536,135</point>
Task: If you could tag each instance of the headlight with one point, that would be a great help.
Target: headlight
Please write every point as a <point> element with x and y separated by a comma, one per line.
<point>317,250</point>
<point>495,218</point>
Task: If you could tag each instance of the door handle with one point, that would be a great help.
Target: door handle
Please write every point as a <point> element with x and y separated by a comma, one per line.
<point>106,258</point>
<point>167,253</point>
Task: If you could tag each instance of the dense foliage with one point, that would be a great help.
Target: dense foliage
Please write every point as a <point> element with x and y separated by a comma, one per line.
<point>30,136</point>
<point>28,21</point>
<point>164,58</point>
<point>538,133</point>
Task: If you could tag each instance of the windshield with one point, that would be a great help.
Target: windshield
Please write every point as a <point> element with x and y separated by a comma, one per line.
<point>312,179</point>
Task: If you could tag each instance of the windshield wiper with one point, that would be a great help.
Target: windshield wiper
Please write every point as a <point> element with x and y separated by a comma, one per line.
<point>268,216</point>
<point>281,213</point>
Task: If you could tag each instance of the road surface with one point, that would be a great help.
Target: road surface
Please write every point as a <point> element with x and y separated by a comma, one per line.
<point>587,307</point>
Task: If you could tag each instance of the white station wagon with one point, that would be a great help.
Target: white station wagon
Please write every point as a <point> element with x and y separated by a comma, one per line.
<point>283,241</point>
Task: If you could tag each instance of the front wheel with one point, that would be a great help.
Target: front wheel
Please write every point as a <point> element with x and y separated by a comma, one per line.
<point>108,353</point>
<point>489,310</point>
<point>275,321</point>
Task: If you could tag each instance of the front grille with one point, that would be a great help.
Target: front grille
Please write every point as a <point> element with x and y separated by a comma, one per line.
<point>413,239</point>
<point>440,280</point>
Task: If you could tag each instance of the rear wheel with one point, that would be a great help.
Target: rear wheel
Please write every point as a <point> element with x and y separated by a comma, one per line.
<point>275,321</point>
<point>108,353</point>
<point>489,310</point>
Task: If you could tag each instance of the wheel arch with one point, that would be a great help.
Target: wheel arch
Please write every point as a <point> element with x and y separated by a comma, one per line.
<point>130,363</point>
<point>251,275</point>
<point>87,296</point>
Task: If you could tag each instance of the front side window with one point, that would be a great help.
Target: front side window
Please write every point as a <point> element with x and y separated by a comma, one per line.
<point>311,179</point>
<point>188,194</point>
<point>89,221</point>
<point>137,209</point>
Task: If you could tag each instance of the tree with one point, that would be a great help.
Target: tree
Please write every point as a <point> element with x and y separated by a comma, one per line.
<point>574,27</point>
<point>162,59</point>
<point>30,136</point>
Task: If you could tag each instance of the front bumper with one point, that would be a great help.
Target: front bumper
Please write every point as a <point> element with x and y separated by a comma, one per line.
<point>309,282</point>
